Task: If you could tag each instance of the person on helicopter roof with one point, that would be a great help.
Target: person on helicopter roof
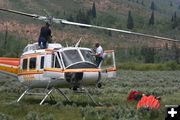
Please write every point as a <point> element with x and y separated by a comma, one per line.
<point>45,36</point>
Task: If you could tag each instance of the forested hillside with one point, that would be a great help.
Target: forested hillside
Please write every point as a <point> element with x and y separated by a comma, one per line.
<point>158,17</point>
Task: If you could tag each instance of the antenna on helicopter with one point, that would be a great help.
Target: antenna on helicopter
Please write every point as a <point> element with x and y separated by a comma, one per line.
<point>77,44</point>
<point>67,44</point>
<point>63,21</point>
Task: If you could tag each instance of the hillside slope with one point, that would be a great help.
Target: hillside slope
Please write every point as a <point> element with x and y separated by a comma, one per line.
<point>110,13</point>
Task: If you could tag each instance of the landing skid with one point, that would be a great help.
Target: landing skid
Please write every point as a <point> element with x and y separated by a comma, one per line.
<point>27,92</point>
<point>48,92</point>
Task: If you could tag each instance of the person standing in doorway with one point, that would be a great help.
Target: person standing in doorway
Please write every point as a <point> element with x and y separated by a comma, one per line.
<point>99,54</point>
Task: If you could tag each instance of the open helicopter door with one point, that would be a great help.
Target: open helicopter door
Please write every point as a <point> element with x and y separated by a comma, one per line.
<point>108,65</point>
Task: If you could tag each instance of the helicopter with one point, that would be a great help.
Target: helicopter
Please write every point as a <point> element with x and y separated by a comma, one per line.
<point>58,67</point>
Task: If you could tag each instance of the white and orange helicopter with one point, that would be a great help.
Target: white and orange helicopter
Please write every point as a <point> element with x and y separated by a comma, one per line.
<point>59,67</point>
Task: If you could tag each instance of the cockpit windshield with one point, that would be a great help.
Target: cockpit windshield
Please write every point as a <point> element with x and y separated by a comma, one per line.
<point>73,56</point>
<point>70,57</point>
<point>88,56</point>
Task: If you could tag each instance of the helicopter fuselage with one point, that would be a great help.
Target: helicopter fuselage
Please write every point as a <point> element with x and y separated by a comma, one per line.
<point>58,67</point>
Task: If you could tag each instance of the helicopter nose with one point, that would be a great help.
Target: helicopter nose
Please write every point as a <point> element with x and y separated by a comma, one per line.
<point>83,78</point>
<point>74,78</point>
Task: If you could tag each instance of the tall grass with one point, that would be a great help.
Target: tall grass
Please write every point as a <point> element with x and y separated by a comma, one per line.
<point>171,65</point>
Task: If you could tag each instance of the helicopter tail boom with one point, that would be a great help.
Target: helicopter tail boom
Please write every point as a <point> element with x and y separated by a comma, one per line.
<point>9,66</point>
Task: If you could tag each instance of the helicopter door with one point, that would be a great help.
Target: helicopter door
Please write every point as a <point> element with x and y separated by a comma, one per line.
<point>108,64</point>
<point>55,72</point>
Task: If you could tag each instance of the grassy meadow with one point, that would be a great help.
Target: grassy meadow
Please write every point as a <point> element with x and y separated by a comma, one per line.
<point>113,95</point>
<point>160,76</point>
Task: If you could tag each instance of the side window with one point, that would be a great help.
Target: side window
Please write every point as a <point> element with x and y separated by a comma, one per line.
<point>42,62</point>
<point>57,65</point>
<point>108,61</point>
<point>52,63</point>
<point>24,65</point>
<point>32,63</point>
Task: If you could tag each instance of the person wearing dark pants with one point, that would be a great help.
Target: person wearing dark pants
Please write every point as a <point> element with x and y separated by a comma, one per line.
<point>45,36</point>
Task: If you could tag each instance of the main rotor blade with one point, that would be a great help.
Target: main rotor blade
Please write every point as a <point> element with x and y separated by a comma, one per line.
<point>20,13</point>
<point>63,21</point>
<point>44,18</point>
<point>117,30</point>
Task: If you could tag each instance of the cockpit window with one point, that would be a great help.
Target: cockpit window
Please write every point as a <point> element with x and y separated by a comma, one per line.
<point>88,56</point>
<point>70,57</point>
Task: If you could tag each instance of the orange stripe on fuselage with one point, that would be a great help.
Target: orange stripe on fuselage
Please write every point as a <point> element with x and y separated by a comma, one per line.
<point>82,70</point>
<point>53,69</point>
<point>9,69</point>
<point>111,69</point>
<point>30,72</point>
<point>62,71</point>
<point>72,70</point>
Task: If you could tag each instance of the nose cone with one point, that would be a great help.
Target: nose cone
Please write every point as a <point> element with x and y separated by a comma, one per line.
<point>74,77</point>
<point>84,73</point>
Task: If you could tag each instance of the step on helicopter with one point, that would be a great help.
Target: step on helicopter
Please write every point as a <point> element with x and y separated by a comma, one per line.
<point>58,67</point>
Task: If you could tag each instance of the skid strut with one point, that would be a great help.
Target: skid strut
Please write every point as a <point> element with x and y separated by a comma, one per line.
<point>62,93</point>
<point>23,94</point>
<point>48,92</point>
<point>86,92</point>
<point>45,94</point>
<point>89,95</point>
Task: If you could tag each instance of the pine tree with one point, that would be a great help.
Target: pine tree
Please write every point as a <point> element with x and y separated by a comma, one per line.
<point>175,22</point>
<point>172,19</point>
<point>153,7</point>
<point>171,4</point>
<point>175,16</point>
<point>142,2</point>
<point>130,23</point>
<point>94,10</point>
<point>151,20</point>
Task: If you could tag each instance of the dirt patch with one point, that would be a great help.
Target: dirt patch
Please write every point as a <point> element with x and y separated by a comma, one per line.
<point>31,32</point>
<point>118,6</point>
<point>4,3</point>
